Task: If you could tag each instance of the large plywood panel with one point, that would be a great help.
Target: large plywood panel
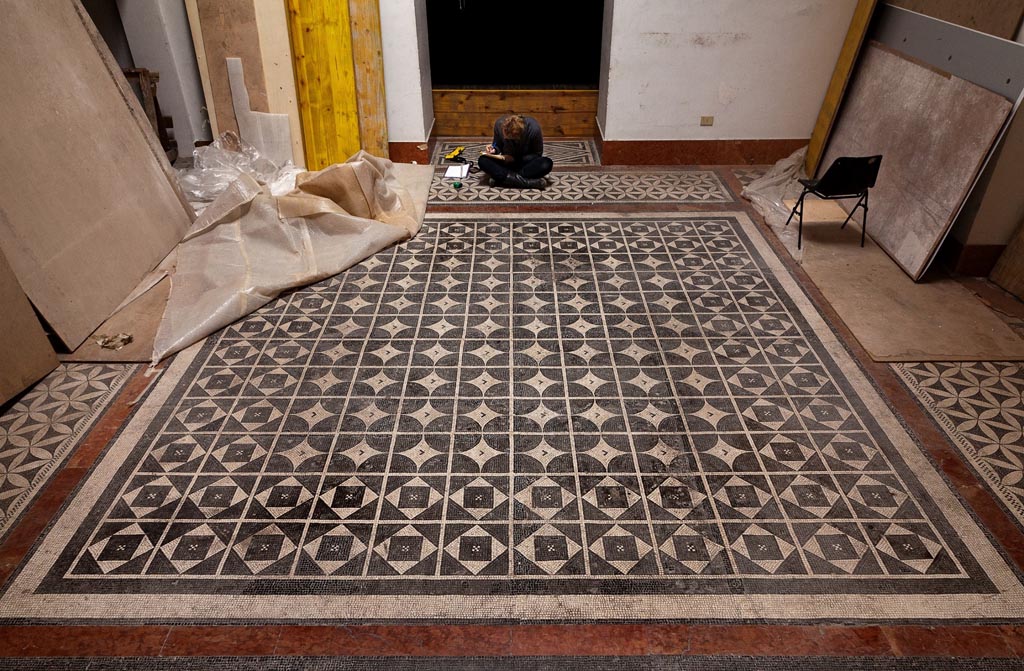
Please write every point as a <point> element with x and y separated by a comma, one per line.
<point>25,352</point>
<point>934,131</point>
<point>86,203</point>
<point>995,17</point>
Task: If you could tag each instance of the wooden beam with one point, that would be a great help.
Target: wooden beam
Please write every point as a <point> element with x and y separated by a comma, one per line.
<point>196,28</point>
<point>840,80</point>
<point>368,56</point>
<point>325,80</point>
<point>278,72</point>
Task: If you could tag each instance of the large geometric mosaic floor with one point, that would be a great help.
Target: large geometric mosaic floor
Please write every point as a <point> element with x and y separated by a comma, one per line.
<point>523,417</point>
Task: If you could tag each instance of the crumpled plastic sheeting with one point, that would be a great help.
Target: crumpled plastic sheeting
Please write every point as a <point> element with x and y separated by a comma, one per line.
<point>249,245</point>
<point>217,165</point>
<point>768,193</point>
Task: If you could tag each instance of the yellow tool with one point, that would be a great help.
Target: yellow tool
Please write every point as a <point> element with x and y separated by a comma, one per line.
<point>454,153</point>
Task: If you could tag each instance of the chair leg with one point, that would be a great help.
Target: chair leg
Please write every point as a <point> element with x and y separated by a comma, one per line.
<point>800,223</point>
<point>864,226</point>
<point>798,205</point>
<point>850,215</point>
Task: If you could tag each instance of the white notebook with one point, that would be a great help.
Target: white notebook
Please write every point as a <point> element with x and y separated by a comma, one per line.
<point>457,171</point>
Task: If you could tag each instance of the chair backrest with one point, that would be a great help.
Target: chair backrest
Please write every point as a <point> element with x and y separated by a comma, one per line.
<point>849,175</point>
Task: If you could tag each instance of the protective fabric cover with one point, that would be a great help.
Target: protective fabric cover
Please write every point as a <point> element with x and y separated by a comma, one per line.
<point>248,246</point>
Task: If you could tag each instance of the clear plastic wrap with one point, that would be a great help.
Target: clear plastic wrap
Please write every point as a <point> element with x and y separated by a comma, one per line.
<point>217,165</point>
<point>768,194</point>
<point>250,245</point>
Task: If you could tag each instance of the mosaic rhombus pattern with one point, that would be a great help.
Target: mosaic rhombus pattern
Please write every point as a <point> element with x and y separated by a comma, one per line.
<point>609,186</point>
<point>528,413</point>
<point>980,405</point>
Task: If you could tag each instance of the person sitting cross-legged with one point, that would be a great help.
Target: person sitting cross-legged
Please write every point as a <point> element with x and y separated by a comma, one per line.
<point>516,155</point>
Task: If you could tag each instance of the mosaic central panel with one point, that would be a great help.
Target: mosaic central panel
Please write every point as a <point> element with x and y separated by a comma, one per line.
<point>502,405</point>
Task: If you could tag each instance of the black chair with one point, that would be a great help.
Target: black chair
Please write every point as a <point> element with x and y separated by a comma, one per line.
<point>847,177</point>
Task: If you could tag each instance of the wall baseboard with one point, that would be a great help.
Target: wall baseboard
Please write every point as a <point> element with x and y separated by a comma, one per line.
<point>409,152</point>
<point>696,152</point>
<point>969,260</point>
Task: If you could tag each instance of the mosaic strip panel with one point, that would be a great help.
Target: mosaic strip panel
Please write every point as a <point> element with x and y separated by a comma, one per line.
<point>566,187</point>
<point>562,152</point>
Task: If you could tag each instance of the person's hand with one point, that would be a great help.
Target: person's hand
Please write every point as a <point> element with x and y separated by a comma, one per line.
<point>490,149</point>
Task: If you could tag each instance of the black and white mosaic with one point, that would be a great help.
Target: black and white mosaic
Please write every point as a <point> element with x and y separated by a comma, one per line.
<point>980,405</point>
<point>514,414</point>
<point>44,424</point>
<point>563,152</point>
<point>636,186</point>
<point>748,175</point>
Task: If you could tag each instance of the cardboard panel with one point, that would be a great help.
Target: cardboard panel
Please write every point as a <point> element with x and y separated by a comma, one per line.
<point>25,352</point>
<point>934,131</point>
<point>86,205</point>
<point>1009,270</point>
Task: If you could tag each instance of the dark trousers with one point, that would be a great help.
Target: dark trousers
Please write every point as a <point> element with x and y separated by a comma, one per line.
<point>531,168</point>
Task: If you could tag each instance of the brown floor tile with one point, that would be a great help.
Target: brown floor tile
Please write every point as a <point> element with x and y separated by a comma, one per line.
<point>81,641</point>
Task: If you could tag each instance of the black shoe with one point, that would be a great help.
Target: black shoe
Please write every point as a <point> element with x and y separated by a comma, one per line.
<point>516,180</point>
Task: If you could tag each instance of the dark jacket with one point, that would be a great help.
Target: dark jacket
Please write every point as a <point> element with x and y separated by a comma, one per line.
<point>527,147</point>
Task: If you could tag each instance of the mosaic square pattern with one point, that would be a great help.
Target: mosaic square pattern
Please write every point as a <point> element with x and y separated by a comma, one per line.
<point>609,186</point>
<point>42,426</point>
<point>562,152</point>
<point>521,405</point>
<point>980,405</point>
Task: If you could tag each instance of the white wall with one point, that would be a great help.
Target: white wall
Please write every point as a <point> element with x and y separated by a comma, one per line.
<point>759,67</point>
<point>607,29</point>
<point>160,40</point>
<point>407,90</point>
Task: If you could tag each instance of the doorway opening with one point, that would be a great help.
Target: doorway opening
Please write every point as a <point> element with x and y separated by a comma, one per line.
<point>533,57</point>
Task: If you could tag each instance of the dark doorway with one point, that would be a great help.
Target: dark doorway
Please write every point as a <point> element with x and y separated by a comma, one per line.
<point>538,44</point>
